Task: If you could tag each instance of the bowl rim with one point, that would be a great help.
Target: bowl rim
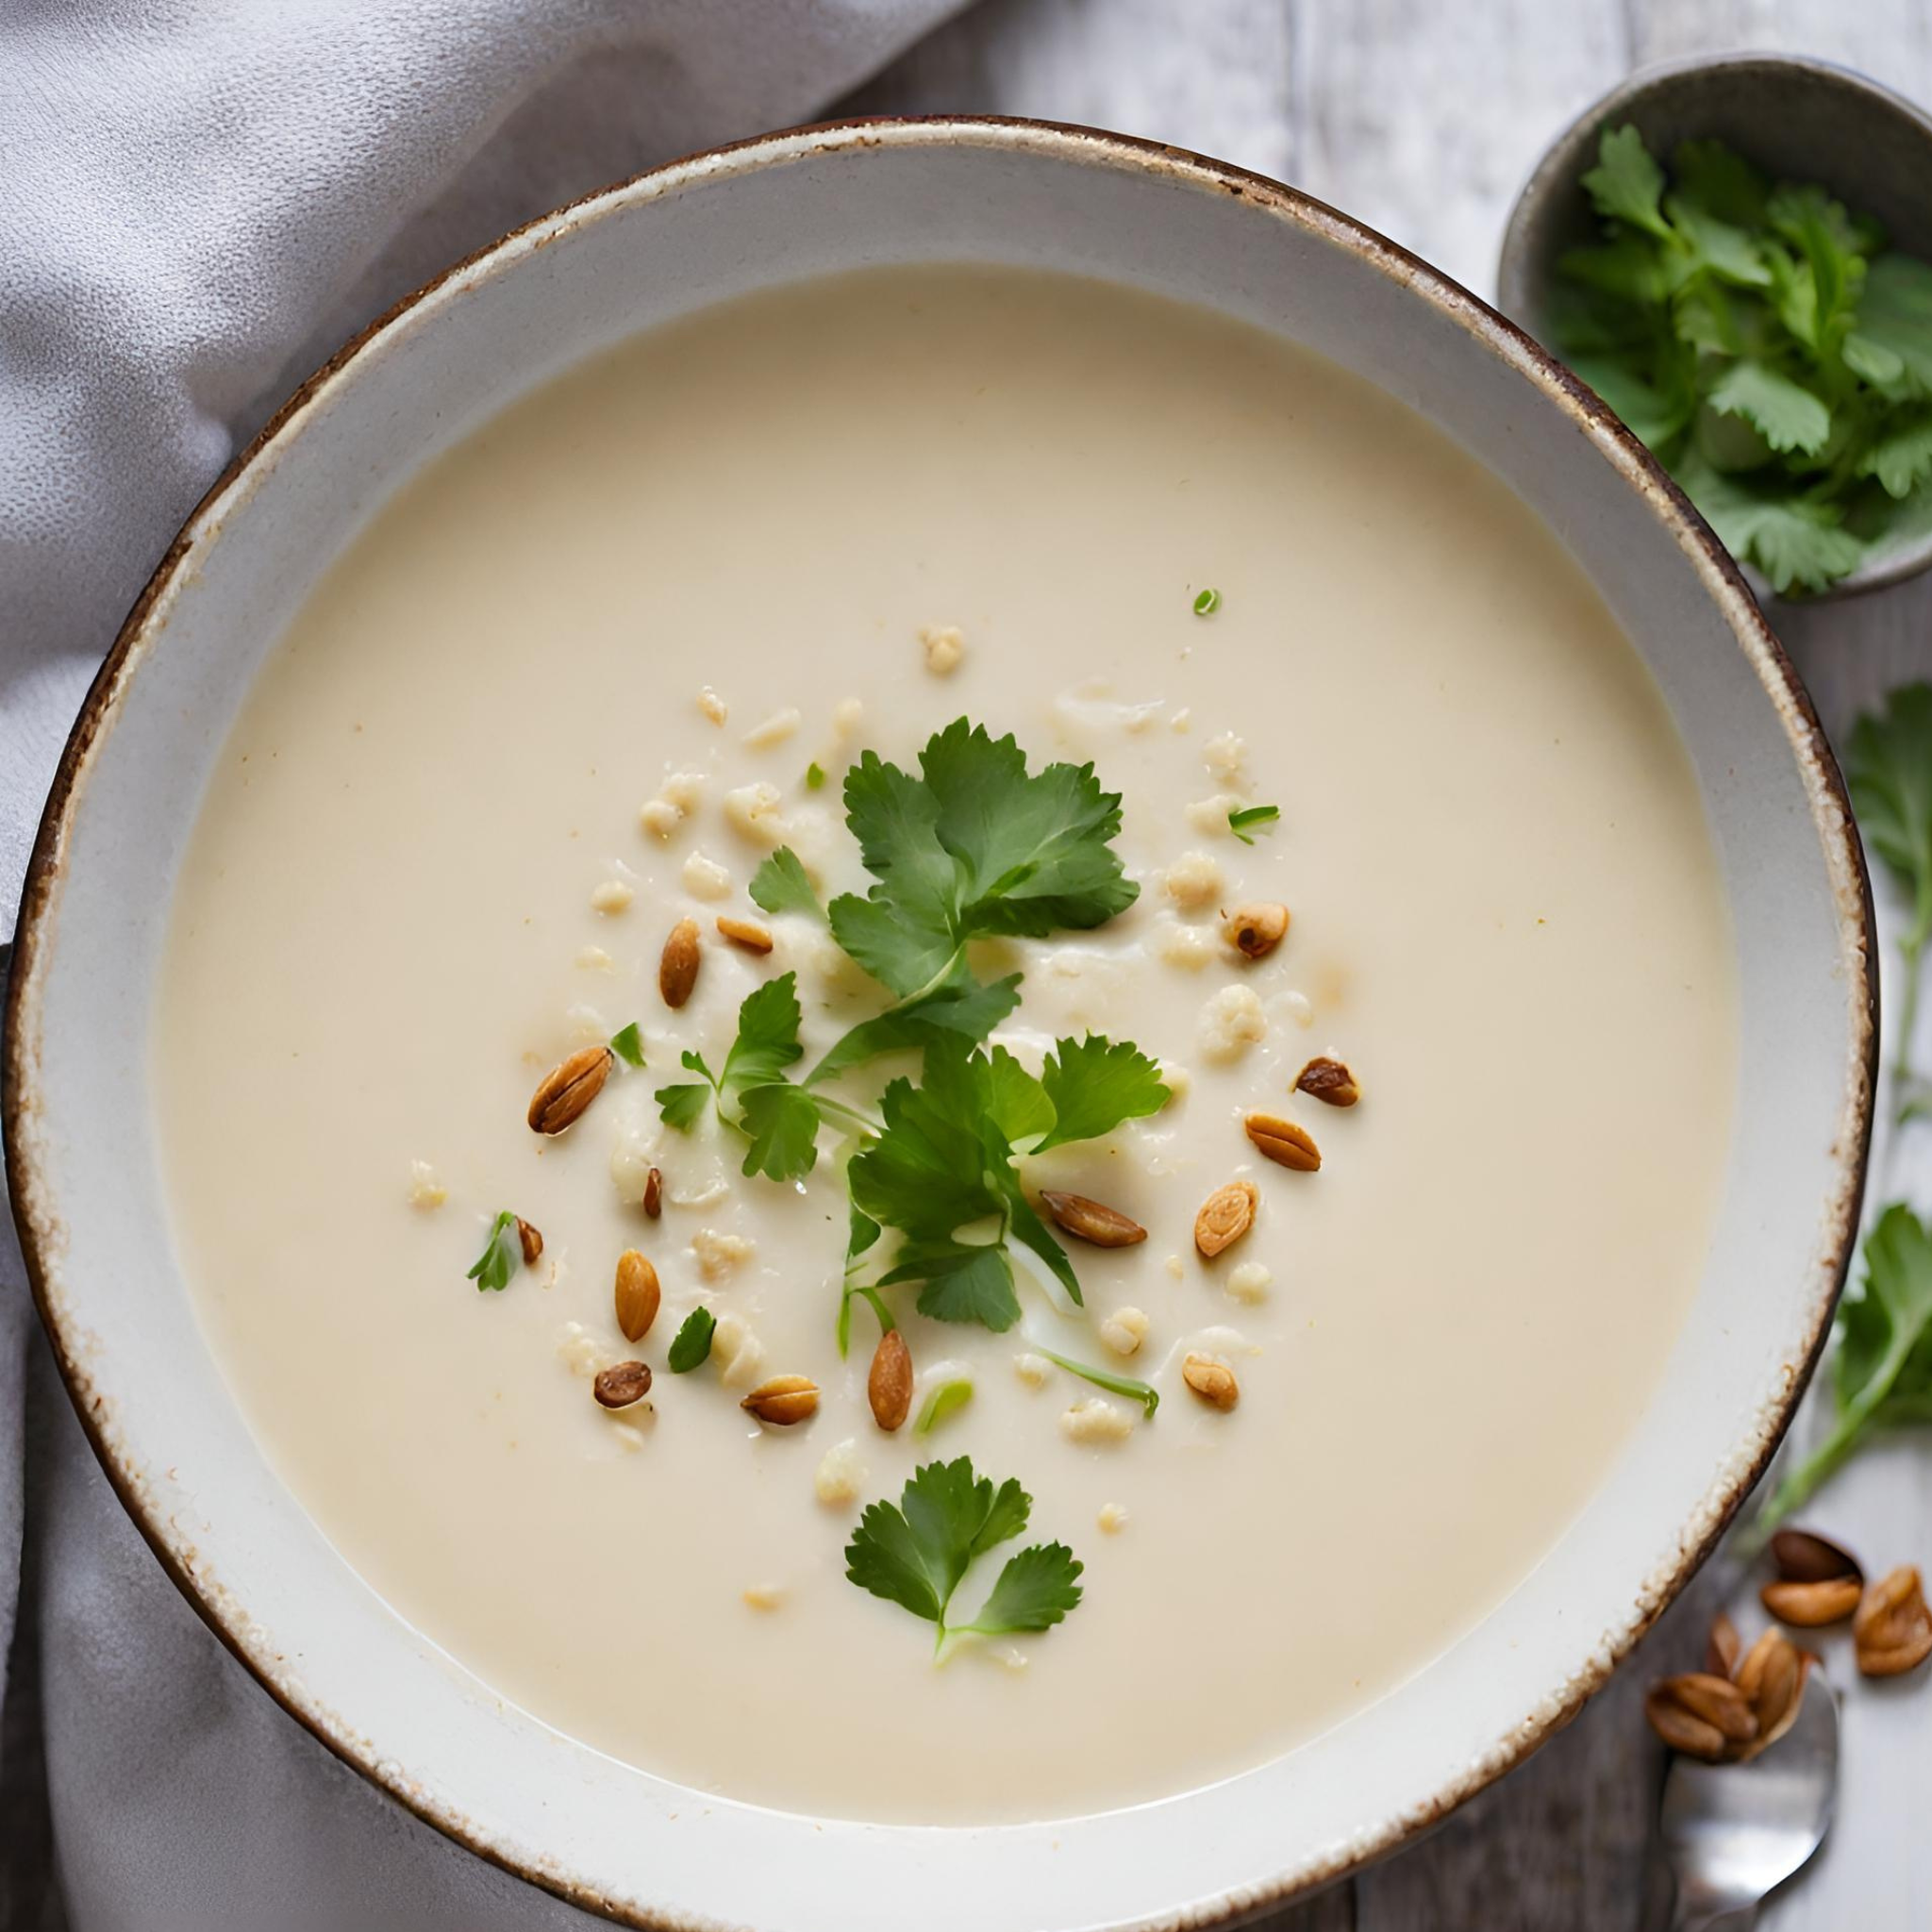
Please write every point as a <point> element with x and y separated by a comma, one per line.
<point>1824,785</point>
<point>1553,175</point>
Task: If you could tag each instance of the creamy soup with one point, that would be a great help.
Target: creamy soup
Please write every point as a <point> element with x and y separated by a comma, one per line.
<point>581,677</point>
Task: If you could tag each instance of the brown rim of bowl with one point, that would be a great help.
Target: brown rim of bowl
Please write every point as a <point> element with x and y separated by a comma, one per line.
<point>1551,176</point>
<point>1831,811</point>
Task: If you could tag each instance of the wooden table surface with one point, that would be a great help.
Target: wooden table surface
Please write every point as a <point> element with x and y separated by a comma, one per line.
<point>1423,117</point>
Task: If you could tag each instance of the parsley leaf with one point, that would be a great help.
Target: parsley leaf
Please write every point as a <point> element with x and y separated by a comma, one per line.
<point>1796,541</point>
<point>1895,313</point>
<point>1626,185</point>
<point>1888,767</point>
<point>1034,1591</point>
<point>1260,817</point>
<point>959,1005</point>
<point>1763,343</point>
<point>1901,458</point>
<point>1092,1085</point>
<point>974,845</point>
<point>683,1107</point>
<point>779,885</point>
<point>916,1553</point>
<point>780,1120</point>
<point>690,1347</point>
<point>943,1168</point>
<point>1882,1376</point>
<point>627,1043</point>
<point>783,1122</point>
<point>501,1254</point>
<point>1784,412</point>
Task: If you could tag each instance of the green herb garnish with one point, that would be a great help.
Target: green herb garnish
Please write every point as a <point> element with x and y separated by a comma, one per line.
<point>1207,603</point>
<point>1769,349</point>
<point>1888,767</point>
<point>779,885</point>
<point>814,776</point>
<point>627,1043</point>
<point>1882,1369</point>
<point>501,1254</point>
<point>691,1345</point>
<point>947,1399</point>
<point>943,1171</point>
<point>1246,819</point>
<point>863,1238</point>
<point>1143,1392</point>
<point>973,846</point>
<point>916,1553</point>
<point>779,1120</point>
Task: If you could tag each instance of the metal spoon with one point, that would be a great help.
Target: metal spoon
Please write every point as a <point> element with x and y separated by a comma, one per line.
<point>1733,1833</point>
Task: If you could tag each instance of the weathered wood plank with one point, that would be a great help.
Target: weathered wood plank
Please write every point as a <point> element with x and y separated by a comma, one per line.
<point>1425,120</point>
<point>1208,75</point>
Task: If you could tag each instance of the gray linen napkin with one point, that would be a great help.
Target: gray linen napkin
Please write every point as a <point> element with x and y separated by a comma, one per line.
<point>198,200</point>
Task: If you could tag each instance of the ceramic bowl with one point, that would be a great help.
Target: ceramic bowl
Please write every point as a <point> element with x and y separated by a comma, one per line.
<point>1799,120</point>
<point>80,1132</point>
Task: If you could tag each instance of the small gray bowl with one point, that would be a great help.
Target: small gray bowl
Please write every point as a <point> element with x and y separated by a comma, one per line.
<point>1799,120</point>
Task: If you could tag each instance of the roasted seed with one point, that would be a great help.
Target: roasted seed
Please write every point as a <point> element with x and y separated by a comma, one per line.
<point>1722,1648</point>
<point>1283,1141</point>
<point>1803,1557</point>
<point>1329,1080</point>
<point>1892,1630</point>
<point>1679,1729</point>
<point>745,933</point>
<point>889,1387</point>
<point>532,1243</point>
<point>638,1294</point>
<point>1093,1220</point>
<point>565,1091</point>
<point>1225,1215</point>
<point>1809,1604</point>
<point>623,1384</point>
<point>1771,1676</point>
<point>654,1193</point>
<point>1717,1701</point>
<point>1212,1381</point>
<point>1255,930</point>
<point>783,1400</point>
<point>678,969</point>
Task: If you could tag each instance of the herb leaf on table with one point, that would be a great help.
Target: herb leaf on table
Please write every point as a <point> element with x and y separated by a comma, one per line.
<point>1882,1375</point>
<point>1888,768</point>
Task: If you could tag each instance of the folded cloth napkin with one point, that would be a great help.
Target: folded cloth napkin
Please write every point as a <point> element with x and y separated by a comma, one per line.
<point>198,200</point>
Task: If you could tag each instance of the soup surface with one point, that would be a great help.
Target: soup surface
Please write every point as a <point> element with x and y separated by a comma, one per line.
<point>519,732</point>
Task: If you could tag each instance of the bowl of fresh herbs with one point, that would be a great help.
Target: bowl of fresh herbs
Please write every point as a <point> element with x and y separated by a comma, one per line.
<point>1735,254</point>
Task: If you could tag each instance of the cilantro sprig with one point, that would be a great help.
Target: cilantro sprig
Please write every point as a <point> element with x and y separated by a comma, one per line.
<point>1882,1366</point>
<point>1888,767</point>
<point>1769,348</point>
<point>945,1172</point>
<point>917,1553</point>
